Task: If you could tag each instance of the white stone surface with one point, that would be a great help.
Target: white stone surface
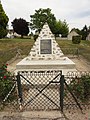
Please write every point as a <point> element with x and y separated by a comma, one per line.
<point>37,61</point>
<point>45,34</point>
<point>62,61</point>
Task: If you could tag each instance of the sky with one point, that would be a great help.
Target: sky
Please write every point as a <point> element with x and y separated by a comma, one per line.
<point>75,12</point>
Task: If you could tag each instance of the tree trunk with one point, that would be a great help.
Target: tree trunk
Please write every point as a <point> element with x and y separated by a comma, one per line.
<point>21,36</point>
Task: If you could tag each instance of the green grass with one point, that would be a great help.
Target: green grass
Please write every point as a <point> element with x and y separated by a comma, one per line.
<point>9,47</point>
<point>83,47</point>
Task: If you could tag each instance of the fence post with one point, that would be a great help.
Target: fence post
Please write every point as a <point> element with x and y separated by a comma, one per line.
<point>61,92</point>
<point>77,52</point>
<point>19,90</point>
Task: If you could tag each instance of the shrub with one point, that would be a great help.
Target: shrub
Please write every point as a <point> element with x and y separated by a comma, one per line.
<point>81,87</point>
<point>6,82</point>
<point>76,39</point>
<point>3,32</point>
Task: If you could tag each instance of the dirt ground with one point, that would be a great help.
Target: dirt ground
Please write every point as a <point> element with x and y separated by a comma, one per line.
<point>81,63</point>
<point>45,115</point>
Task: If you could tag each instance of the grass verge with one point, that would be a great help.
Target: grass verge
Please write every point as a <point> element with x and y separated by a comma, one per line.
<point>9,47</point>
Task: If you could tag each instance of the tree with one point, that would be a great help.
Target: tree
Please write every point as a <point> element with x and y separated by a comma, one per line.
<point>20,26</point>
<point>58,28</point>
<point>40,17</point>
<point>3,22</point>
<point>84,32</point>
<point>62,28</point>
<point>44,15</point>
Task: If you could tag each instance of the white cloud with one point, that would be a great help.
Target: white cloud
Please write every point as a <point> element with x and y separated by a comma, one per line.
<point>76,12</point>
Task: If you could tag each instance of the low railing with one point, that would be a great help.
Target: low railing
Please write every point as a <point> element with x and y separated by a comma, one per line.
<point>49,90</point>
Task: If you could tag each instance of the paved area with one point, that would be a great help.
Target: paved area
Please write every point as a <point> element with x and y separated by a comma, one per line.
<point>46,115</point>
<point>32,115</point>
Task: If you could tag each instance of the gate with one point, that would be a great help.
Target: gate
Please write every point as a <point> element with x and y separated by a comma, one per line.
<point>41,90</point>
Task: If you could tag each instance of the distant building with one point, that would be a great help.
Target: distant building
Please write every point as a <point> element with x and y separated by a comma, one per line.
<point>16,35</point>
<point>12,34</point>
<point>88,37</point>
<point>71,34</point>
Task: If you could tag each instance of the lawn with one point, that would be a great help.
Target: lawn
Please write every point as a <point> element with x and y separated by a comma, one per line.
<point>9,47</point>
<point>83,48</point>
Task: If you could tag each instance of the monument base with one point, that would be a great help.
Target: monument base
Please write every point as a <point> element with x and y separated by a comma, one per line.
<point>64,64</point>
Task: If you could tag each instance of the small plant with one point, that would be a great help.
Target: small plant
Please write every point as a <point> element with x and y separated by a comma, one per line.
<point>6,82</point>
<point>76,39</point>
<point>81,87</point>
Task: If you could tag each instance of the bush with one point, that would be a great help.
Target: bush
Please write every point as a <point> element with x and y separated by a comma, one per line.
<point>6,82</point>
<point>3,32</point>
<point>81,88</point>
<point>76,39</point>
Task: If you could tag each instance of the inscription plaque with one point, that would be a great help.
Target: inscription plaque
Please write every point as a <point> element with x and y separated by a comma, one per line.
<point>45,46</point>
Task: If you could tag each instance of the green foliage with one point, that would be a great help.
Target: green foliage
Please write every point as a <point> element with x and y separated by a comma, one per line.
<point>44,15</point>
<point>84,32</point>
<point>65,29</point>
<point>20,26</point>
<point>61,27</point>
<point>76,39</point>
<point>40,17</point>
<point>81,87</point>
<point>3,32</point>
<point>6,82</point>
<point>3,22</point>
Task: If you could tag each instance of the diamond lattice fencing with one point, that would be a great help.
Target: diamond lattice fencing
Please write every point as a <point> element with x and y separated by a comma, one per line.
<point>77,90</point>
<point>50,90</point>
<point>40,89</point>
<point>9,96</point>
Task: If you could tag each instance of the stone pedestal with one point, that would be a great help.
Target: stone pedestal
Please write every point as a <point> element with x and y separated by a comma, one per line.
<point>46,55</point>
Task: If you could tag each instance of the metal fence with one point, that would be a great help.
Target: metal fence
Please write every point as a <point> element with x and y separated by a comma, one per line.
<point>49,90</point>
<point>9,95</point>
<point>39,90</point>
<point>71,51</point>
<point>77,90</point>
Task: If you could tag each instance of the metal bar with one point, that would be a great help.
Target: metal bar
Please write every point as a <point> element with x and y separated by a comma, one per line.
<point>9,92</point>
<point>55,81</point>
<point>46,85</point>
<point>73,96</point>
<point>61,92</point>
<point>40,91</point>
<point>19,88</point>
<point>44,96</point>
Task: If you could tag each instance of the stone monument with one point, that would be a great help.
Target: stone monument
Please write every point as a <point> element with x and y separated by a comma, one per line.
<point>46,55</point>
